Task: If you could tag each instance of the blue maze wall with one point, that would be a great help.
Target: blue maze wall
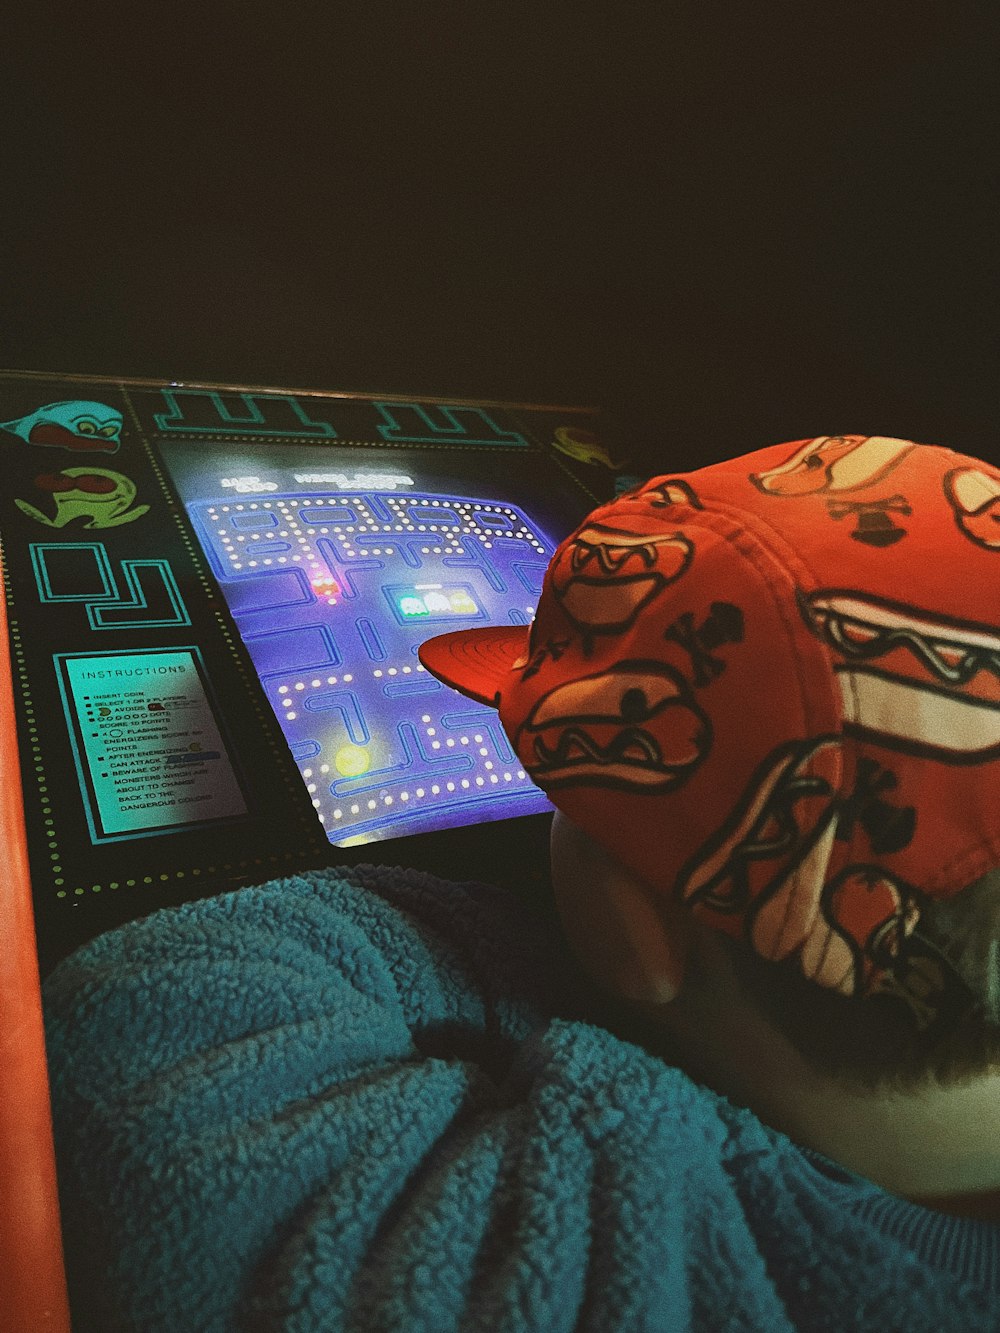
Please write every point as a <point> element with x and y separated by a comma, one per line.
<point>332,595</point>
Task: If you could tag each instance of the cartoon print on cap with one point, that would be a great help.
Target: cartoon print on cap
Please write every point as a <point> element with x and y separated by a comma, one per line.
<point>671,491</point>
<point>635,727</point>
<point>875,526</point>
<point>604,577</point>
<point>866,916</point>
<point>927,984</point>
<point>771,854</point>
<point>889,827</point>
<point>766,870</point>
<point>974,496</point>
<point>92,493</point>
<point>531,661</point>
<point>915,682</point>
<point>834,463</point>
<point>79,425</point>
<point>723,624</point>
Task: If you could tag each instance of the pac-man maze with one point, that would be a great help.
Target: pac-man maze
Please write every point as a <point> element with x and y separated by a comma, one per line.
<point>332,594</point>
<point>215,596</point>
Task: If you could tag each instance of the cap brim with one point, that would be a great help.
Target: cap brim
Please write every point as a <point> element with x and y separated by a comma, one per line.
<point>477,662</point>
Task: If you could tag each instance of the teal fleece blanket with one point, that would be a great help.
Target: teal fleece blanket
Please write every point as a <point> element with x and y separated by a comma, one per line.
<point>365,1100</point>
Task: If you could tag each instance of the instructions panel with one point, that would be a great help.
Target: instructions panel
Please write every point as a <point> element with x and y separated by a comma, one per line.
<point>148,746</point>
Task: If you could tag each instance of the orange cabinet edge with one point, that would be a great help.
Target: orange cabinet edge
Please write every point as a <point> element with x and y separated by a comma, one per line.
<point>32,1277</point>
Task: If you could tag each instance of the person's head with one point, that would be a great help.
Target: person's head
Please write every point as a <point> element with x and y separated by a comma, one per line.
<point>859,1085</point>
<point>765,696</point>
<point>644,948</point>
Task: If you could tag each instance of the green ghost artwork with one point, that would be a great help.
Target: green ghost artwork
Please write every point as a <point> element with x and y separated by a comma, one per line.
<point>101,497</point>
<point>78,425</point>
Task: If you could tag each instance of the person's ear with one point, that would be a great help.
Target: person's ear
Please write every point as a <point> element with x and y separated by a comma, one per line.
<point>631,943</point>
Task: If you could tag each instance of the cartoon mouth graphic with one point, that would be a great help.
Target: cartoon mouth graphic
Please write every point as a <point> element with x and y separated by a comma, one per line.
<point>936,685</point>
<point>606,577</point>
<point>49,433</point>
<point>630,746</point>
<point>636,727</point>
<point>92,485</point>
<point>834,463</point>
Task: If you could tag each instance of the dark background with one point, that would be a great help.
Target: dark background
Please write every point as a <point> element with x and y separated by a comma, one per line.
<point>729,225</point>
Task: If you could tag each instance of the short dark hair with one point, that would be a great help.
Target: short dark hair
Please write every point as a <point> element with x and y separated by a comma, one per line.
<point>873,1043</point>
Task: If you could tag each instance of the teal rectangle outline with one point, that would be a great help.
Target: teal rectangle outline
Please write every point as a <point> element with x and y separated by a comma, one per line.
<point>45,594</point>
<point>99,840</point>
<point>96,612</point>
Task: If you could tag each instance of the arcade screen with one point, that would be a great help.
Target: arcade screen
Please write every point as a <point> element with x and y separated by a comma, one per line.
<point>214,599</point>
<point>335,569</point>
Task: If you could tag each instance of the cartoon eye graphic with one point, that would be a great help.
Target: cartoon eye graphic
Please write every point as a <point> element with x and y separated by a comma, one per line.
<point>663,494</point>
<point>86,427</point>
<point>109,432</point>
<point>635,705</point>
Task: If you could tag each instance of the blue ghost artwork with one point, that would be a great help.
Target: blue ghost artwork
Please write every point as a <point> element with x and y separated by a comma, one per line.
<point>79,425</point>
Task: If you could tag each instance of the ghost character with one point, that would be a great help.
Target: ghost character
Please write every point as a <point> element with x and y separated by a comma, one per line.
<point>462,604</point>
<point>92,493</point>
<point>80,425</point>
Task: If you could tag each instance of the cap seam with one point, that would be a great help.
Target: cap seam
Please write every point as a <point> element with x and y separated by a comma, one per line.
<point>779,599</point>
<point>770,542</point>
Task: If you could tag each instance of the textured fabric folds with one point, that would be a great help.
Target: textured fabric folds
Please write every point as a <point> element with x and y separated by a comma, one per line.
<point>365,1100</point>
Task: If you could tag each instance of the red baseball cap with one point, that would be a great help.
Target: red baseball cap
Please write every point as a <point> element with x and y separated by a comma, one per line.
<point>771,688</point>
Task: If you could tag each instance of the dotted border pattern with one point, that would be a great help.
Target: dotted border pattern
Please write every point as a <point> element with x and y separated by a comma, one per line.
<point>20,671</point>
<point>310,442</point>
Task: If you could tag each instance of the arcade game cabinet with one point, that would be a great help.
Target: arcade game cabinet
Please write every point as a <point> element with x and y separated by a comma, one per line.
<point>214,598</point>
